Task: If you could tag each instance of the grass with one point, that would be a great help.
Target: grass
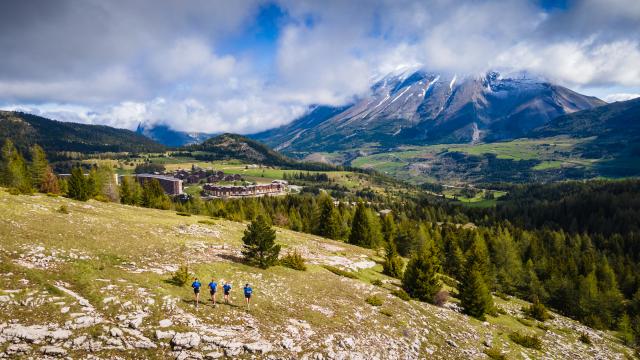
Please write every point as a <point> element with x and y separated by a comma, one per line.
<point>123,246</point>
<point>528,341</point>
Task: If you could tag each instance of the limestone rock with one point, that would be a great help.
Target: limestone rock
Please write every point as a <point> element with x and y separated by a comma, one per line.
<point>186,340</point>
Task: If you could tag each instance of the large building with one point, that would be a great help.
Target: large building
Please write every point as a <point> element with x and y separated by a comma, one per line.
<point>171,185</point>
<point>276,187</point>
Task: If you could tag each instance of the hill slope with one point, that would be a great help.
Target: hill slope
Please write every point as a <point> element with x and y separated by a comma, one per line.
<point>426,108</point>
<point>95,281</point>
<point>57,136</point>
<point>238,147</point>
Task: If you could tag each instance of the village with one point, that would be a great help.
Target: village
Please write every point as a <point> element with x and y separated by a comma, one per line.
<point>214,183</point>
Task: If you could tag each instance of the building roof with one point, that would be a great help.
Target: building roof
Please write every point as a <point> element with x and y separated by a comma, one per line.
<point>160,177</point>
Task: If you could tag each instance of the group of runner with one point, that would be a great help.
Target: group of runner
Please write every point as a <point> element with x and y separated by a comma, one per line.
<point>213,287</point>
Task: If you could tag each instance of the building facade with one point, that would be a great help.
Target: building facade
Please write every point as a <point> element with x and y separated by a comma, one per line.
<point>223,191</point>
<point>171,185</point>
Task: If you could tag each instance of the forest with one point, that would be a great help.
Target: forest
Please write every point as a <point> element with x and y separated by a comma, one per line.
<point>570,246</point>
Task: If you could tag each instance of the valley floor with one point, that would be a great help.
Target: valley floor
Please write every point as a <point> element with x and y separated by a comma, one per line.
<point>93,284</point>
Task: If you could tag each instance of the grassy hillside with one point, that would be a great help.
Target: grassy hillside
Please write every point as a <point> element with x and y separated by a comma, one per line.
<point>95,280</point>
<point>55,136</point>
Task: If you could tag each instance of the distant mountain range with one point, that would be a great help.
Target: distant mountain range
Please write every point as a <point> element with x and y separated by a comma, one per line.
<point>426,108</point>
<point>57,136</point>
<point>171,138</point>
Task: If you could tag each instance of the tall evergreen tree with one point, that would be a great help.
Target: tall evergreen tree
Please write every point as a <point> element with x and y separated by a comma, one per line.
<point>130,191</point>
<point>50,183</point>
<point>363,230</point>
<point>77,186</point>
<point>329,223</point>
<point>39,166</point>
<point>259,246</point>
<point>475,297</point>
<point>14,173</point>
<point>421,275</point>
<point>153,195</point>
<point>393,263</point>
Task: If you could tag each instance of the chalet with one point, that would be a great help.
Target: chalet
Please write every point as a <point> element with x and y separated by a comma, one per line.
<point>225,191</point>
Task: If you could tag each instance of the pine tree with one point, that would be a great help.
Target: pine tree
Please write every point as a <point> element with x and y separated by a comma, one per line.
<point>360,227</point>
<point>474,295</point>
<point>153,195</point>
<point>14,173</point>
<point>421,275</point>
<point>625,330</point>
<point>389,228</point>
<point>259,246</point>
<point>393,263</point>
<point>130,191</point>
<point>39,166</point>
<point>77,186</point>
<point>329,223</point>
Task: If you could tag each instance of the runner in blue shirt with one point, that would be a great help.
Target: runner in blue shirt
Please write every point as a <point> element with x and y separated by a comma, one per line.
<point>196,290</point>
<point>247,294</point>
<point>213,286</point>
<point>227,289</point>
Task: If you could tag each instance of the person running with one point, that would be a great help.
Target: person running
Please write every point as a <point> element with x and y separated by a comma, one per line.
<point>196,290</point>
<point>247,294</point>
<point>213,286</point>
<point>227,289</point>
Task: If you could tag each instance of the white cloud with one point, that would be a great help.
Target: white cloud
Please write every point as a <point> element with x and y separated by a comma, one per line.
<point>620,97</point>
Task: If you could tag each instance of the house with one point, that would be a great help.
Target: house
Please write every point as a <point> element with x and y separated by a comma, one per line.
<point>171,185</point>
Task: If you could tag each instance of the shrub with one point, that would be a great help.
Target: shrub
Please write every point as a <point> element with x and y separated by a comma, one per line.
<point>63,209</point>
<point>376,282</point>
<point>101,198</point>
<point>401,294</point>
<point>374,301</point>
<point>495,354</point>
<point>207,222</point>
<point>500,310</point>
<point>584,338</point>
<point>386,312</point>
<point>441,298</point>
<point>293,260</point>
<point>183,213</point>
<point>543,327</point>
<point>525,322</point>
<point>181,276</point>
<point>340,272</point>
<point>528,341</point>
<point>537,311</point>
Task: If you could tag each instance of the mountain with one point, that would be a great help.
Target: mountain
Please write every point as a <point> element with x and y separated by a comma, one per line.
<point>611,133</point>
<point>232,146</point>
<point>57,136</point>
<point>169,137</point>
<point>426,108</point>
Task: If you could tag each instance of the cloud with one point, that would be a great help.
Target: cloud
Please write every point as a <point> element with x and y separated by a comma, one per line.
<point>620,97</point>
<point>185,64</point>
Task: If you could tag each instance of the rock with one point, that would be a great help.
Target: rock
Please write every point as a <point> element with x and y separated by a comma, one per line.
<point>488,342</point>
<point>165,323</point>
<point>79,341</point>
<point>135,322</point>
<point>164,334</point>
<point>5,298</point>
<point>233,351</point>
<point>260,347</point>
<point>144,344</point>
<point>452,343</point>
<point>116,332</point>
<point>185,340</point>
<point>214,355</point>
<point>17,349</point>
<point>287,343</point>
<point>33,334</point>
<point>347,343</point>
<point>53,351</point>
<point>86,321</point>
<point>60,334</point>
<point>114,342</point>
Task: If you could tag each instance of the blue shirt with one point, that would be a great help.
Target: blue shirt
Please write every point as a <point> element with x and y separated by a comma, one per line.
<point>226,287</point>
<point>213,285</point>
<point>196,284</point>
<point>247,291</point>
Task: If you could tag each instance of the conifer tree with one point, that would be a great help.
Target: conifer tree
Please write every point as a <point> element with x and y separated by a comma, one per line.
<point>625,330</point>
<point>475,296</point>
<point>389,229</point>
<point>364,232</point>
<point>14,173</point>
<point>50,183</point>
<point>153,195</point>
<point>259,246</point>
<point>39,166</point>
<point>329,223</point>
<point>77,186</point>
<point>130,191</point>
<point>393,263</point>
<point>421,275</point>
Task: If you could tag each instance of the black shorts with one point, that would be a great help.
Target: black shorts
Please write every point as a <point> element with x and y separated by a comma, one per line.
<point>212,292</point>
<point>226,293</point>
<point>196,290</point>
<point>248,296</point>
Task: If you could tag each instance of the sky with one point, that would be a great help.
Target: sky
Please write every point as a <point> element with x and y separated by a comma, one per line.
<point>248,65</point>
